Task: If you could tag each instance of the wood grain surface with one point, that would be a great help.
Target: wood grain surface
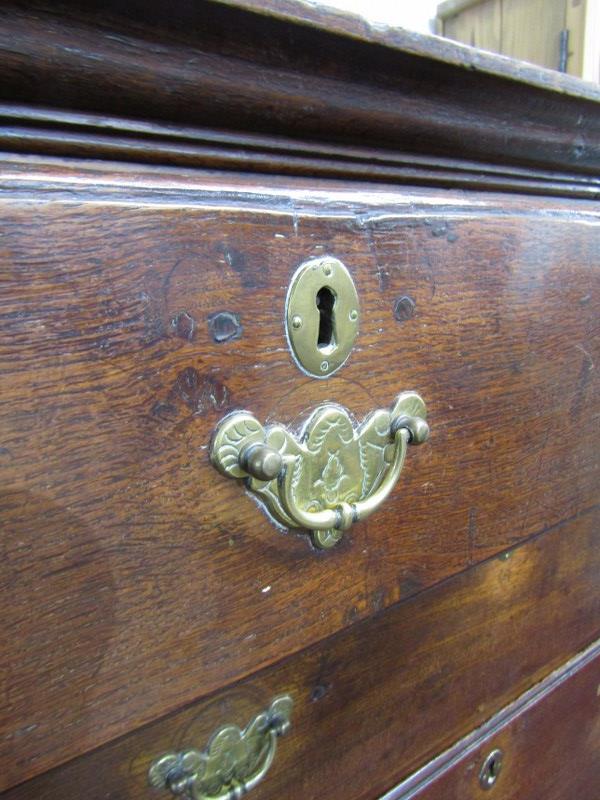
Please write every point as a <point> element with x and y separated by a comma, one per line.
<point>284,68</point>
<point>135,579</point>
<point>549,741</point>
<point>380,699</point>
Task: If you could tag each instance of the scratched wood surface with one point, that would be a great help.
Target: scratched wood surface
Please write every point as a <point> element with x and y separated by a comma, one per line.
<point>378,700</point>
<point>139,307</point>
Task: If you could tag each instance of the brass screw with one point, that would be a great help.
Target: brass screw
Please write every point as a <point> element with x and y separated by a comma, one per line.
<point>327,269</point>
<point>296,322</point>
<point>324,366</point>
<point>353,315</point>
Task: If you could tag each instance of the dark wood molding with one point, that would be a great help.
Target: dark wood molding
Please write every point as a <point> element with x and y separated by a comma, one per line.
<point>263,88</point>
<point>61,133</point>
<point>432,47</point>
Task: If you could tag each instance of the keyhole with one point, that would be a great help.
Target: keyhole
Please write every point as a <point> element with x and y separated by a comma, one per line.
<point>490,769</point>
<point>325,302</point>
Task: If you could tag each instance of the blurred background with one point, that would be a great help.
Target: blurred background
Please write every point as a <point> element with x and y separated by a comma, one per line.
<point>563,35</point>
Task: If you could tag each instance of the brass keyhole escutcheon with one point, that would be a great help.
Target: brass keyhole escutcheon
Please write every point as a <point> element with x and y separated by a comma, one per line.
<point>490,770</point>
<point>322,316</point>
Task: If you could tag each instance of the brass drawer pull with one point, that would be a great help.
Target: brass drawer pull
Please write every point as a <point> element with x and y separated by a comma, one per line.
<point>336,474</point>
<point>232,764</point>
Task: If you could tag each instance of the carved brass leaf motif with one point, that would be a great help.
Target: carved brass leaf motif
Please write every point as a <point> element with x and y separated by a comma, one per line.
<point>334,474</point>
<point>338,463</point>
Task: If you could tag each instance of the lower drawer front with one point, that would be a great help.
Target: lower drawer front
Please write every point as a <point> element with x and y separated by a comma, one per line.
<point>546,745</point>
<point>378,701</point>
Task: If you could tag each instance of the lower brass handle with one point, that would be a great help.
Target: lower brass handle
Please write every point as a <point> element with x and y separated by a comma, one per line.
<point>335,475</point>
<point>233,763</point>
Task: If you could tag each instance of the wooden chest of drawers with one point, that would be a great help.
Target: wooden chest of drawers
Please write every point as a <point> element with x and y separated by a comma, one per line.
<point>165,173</point>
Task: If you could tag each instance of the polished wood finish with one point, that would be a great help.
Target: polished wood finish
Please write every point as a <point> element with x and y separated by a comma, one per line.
<point>164,171</point>
<point>547,750</point>
<point>378,700</point>
<point>110,506</point>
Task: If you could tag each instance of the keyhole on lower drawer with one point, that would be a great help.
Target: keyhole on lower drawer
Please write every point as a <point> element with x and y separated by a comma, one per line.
<point>490,769</point>
<point>325,303</point>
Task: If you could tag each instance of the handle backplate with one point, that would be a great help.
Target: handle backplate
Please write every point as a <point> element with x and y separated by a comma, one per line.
<point>333,474</point>
<point>233,762</point>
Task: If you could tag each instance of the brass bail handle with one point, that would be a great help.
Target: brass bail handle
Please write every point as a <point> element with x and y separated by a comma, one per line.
<point>335,475</point>
<point>233,763</point>
<point>405,430</point>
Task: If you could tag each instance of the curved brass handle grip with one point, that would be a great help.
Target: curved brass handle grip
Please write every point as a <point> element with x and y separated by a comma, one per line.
<point>336,474</point>
<point>233,763</point>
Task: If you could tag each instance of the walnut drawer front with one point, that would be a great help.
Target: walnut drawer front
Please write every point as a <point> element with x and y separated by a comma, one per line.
<point>141,306</point>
